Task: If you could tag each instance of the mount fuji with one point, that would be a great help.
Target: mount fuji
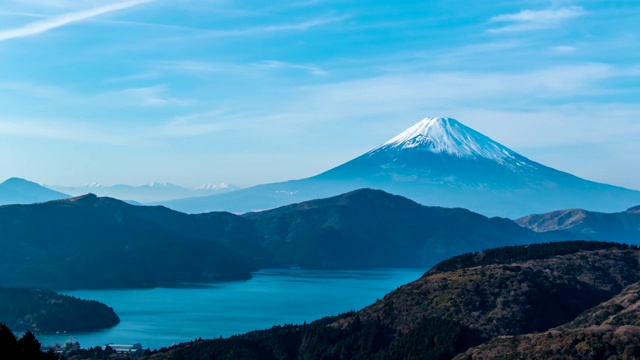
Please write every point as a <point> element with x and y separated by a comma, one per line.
<point>438,161</point>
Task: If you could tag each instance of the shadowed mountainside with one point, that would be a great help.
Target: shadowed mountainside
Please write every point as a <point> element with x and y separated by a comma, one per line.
<point>91,242</point>
<point>44,311</point>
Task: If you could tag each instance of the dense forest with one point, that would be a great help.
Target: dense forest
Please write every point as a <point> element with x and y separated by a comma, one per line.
<point>39,310</point>
<point>27,347</point>
<point>511,254</point>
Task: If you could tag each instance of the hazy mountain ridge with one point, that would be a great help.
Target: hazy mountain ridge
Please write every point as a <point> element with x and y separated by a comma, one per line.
<point>21,191</point>
<point>621,226</point>
<point>445,313</point>
<point>440,162</point>
<point>154,191</point>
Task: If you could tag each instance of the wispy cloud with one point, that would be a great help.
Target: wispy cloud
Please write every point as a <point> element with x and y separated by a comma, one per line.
<point>62,20</point>
<point>564,49</point>
<point>194,66</point>
<point>273,64</point>
<point>295,26</point>
<point>40,91</point>
<point>58,129</point>
<point>535,19</point>
<point>145,96</point>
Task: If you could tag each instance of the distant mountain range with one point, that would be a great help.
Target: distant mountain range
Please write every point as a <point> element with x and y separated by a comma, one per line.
<point>621,226</point>
<point>438,161</point>
<point>151,192</point>
<point>21,191</point>
<point>92,242</point>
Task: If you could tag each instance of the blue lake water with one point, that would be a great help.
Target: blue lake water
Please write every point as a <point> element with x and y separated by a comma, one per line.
<point>163,316</point>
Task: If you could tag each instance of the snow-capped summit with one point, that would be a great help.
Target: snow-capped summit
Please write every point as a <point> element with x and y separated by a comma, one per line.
<point>449,136</point>
<point>159,184</point>
<point>437,161</point>
<point>211,186</point>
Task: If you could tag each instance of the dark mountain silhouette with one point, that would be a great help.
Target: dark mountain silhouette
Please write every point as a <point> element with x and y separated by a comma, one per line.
<point>621,226</point>
<point>92,242</point>
<point>371,228</point>
<point>44,311</point>
<point>21,191</point>
<point>436,162</point>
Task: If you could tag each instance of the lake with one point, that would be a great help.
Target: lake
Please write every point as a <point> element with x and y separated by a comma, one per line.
<point>161,317</point>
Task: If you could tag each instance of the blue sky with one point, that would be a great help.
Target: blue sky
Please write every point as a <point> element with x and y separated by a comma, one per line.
<point>248,92</point>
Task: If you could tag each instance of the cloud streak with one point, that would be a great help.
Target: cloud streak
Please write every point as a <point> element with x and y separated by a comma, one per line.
<point>38,27</point>
<point>274,64</point>
<point>535,19</point>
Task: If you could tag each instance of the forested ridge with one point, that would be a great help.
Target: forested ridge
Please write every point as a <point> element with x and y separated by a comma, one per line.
<point>516,290</point>
<point>45,311</point>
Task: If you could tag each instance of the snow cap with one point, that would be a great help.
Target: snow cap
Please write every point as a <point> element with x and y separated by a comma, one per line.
<point>449,136</point>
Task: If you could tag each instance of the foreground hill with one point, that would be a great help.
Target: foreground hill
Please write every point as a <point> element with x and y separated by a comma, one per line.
<point>92,242</point>
<point>44,311</point>
<point>507,291</point>
<point>21,191</point>
<point>438,161</point>
<point>610,330</point>
<point>621,226</point>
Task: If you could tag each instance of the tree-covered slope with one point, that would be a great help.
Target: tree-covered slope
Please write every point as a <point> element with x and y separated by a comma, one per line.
<point>91,242</point>
<point>610,330</point>
<point>447,312</point>
<point>44,311</point>
<point>371,228</point>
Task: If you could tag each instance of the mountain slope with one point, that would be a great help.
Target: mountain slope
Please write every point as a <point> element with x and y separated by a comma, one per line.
<point>91,242</point>
<point>39,310</point>
<point>514,290</point>
<point>513,297</point>
<point>438,161</point>
<point>621,226</point>
<point>370,228</point>
<point>610,330</point>
<point>21,191</point>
